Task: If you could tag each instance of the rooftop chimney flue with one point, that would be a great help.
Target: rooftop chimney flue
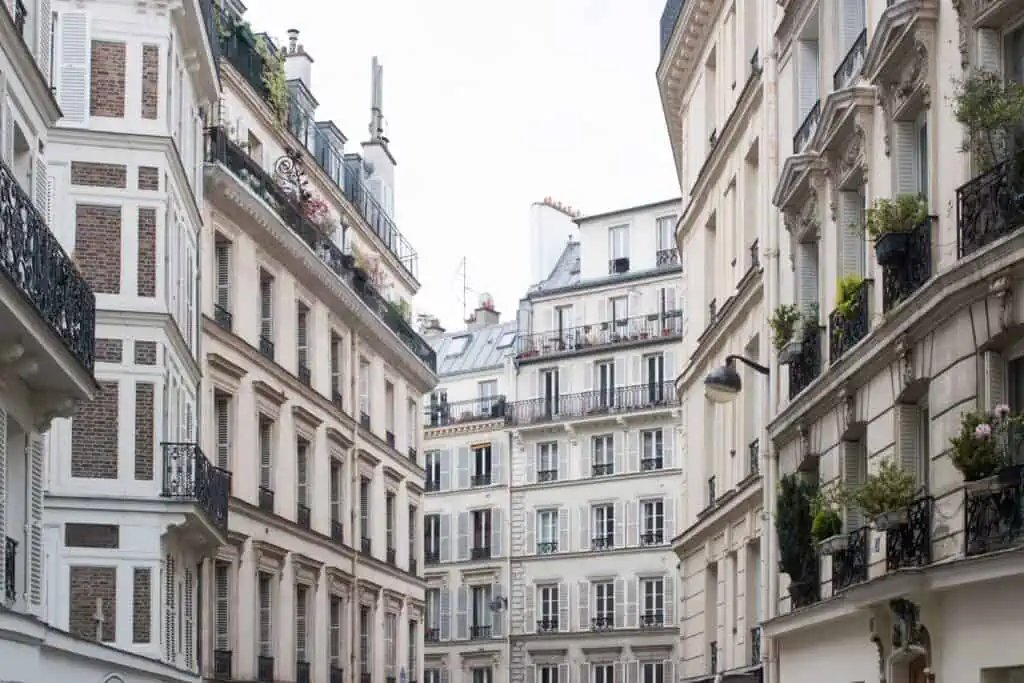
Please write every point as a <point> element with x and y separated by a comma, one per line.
<point>293,40</point>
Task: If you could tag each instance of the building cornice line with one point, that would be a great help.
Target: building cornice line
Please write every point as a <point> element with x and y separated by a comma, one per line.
<point>610,282</point>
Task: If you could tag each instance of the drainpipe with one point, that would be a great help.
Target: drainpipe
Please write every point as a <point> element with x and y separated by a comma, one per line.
<point>772,278</point>
<point>353,463</point>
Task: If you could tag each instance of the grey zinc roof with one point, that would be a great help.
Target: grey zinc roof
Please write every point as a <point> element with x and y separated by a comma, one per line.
<point>481,352</point>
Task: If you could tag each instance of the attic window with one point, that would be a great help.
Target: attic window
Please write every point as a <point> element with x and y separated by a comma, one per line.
<point>506,340</point>
<point>458,346</point>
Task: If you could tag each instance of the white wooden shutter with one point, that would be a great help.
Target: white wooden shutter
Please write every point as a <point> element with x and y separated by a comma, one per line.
<point>266,624</point>
<point>584,672</point>
<point>462,547</point>
<point>633,451</point>
<point>462,468</point>
<point>633,671</point>
<point>620,525</point>
<point>445,609</point>
<point>851,23</point>
<point>989,51</point>
<point>668,671</point>
<point>583,604</point>
<point>3,488</point>
<point>497,532</point>
<point>995,380</point>
<point>222,408</point>
<point>854,474</point>
<point>498,462</point>
<point>445,469</point>
<point>563,606</point>
<point>73,72</point>
<point>529,596</point>
<point>632,523</point>
<point>850,227</point>
<point>668,584</point>
<point>41,188</point>
<point>266,455</point>
<point>497,618</point>
<point>44,24</point>
<point>807,273</point>
<point>562,461</point>
<point>222,252</point>
<point>670,517</point>
<point>668,445</point>
<point>618,452</point>
<point>563,530</point>
<point>619,675</point>
<point>190,618</point>
<point>908,430</point>
<point>170,612</point>
<point>267,316</point>
<point>905,157</point>
<point>222,606</point>
<point>563,673</point>
<point>37,465</point>
<point>530,545</point>
<point>7,133</point>
<point>807,84</point>
<point>445,544</point>
<point>462,613</point>
<point>631,603</point>
<point>584,525</point>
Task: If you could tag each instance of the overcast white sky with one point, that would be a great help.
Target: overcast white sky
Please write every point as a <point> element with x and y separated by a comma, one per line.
<point>491,106</point>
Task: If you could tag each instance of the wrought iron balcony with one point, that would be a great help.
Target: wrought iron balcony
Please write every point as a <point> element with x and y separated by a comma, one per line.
<point>990,206</point>
<point>10,570</point>
<point>847,328</point>
<point>618,266</point>
<point>995,517</point>
<point>482,552</point>
<point>755,258</point>
<point>220,149</point>
<point>390,555</point>
<point>654,619</point>
<point>302,516</point>
<point>431,635</point>
<point>754,456</point>
<point>364,420</point>
<point>20,18</point>
<point>389,438</point>
<point>712,490</point>
<point>669,17</point>
<point>602,469</point>
<point>337,675</point>
<point>593,403</point>
<point>547,547</point>
<point>265,500</point>
<point>188,475</point>
<point>304,374</point>
<point>222,661</point>
<point>430,485</point>
<point>602,623</point>
<point>36,265</point>
<point>755,646</point>
<point>806,367</point>
<point>603,542</point>
<point>414,568</point>
<point>336,399</point>
<point>849,69</point>
<point>600,336</point>
<point>264,669</point>
<point>442,414</point>
<point>654,462</point>
<point>667,257</point>
<point>222,316</point>
<point>807,128</point>
<point>546,476</point>
<point>905,278</point>
<point>549,625</point>
<point>365,677</point>
<point>412,454</point>
<point>713,657</point>
<point>479,632</point>
<point>432,556</point>
<point>365,546</point>
<point>482,479</point>
<point>654,537</point>
<point>301,672</point>
<point>910,544</point>
<point>850,566</point>
<point>266,348</point>
<point>337,531</point>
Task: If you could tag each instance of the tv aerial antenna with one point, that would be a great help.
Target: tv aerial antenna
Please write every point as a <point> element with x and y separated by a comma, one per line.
<point>464,286</point>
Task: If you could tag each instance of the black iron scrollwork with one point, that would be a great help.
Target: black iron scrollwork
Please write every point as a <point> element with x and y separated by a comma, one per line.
<point>906,631</point>
<point>290,175</point>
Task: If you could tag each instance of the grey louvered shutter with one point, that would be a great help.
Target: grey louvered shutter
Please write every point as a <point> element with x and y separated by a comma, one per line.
<point>563,607</point>
<point>854,474</point>
<point>995,380</point>
<point>807,274</point>
<point>497,617</point>
<point>37,467</point>
<point>462,469</point>
<point>583,515</point>
<point>583,604</point>
<point>222,253</point>
<point>463,536</point>
<point>497,532</point>
<point>445,469</point>
<point>905,156</point>
<point>670,601</point>
<point>222,606</point>
<point>563,530</point>
<point>223,418</point>
<point>850,228</point>
<point>462,613</point>
<point>631,603</point>
<point>908,434</point>
<point>445,546</point>
<point>446,612</point>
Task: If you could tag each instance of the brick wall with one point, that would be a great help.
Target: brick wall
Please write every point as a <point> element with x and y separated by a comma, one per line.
<point>98,246</point>
<point>87,584</point>
<point>99,175</point>
<point>94,436</point>
<point>144,431</point>
<point>108,350</point>
<point>142,596</point>
<point>105,536</point>
<point>145,353</point>
<point>150,81</point>
<point>147,252</point>
<point>149,178</point>
<point>106,92</point>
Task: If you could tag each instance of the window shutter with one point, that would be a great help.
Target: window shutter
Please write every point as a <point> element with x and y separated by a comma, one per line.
<point>620,375</point>
<point>223,255</point>
<point>446,612</point>
<point>668,444</point>
<point>531,520</point>
<point>619,452</point>
<point>620,525</point>
<point>807,66</point>
<point>807,273</point>
<point>223,432</point>
<point>266,644</point>
<point>44,24</point>
<point>668,671</point>
<point>3,484</point>
<point>632,523</point>
<point>563,607</point>
<point>41,187</point>
<point>497,617</point>
<point>266,457</point>
<point>529,622</point>
<point>851,23</point>
<point>670,601</point>
<point>462,613</point>
<point>620,603</point>
<point>633,453</point>
<point>7,132</point>
<point>583,602</point>
<point>908,426</point>
<point>563,673</point>
<point>584,517</point>
<point>37,465</point>
<point>563,530</point>
<point>170,612</point>
<point>603,310</point>
<point>73,72</point>
<point>584,672</point>
<point>636,372</point>
<point>266,307</point>
<point>445,676</point>
<point>497,532</point>
<point>631,598</point>
<point>531,463</point>
<point>498,462</point>
<point>851,232</point>
<point>462,469</point>
<point>854,473</point>
<point>445,546</point>
<point>670,518</point>
<point>222,609</point>
<point>462,549</point>
<point>905,157</point>
<point>445,468</point>
<point>989,57</point>
<point>618,670</point>
<point>190,618</point>
<point>995,380</point>
<point>632,671</point>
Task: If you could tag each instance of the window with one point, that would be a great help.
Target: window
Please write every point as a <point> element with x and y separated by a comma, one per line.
<point>487,390</point>
<point>602,673</point>
<point>603,455</point>
<point>481,520</point>
<point>302,482</point>
<point>389,525</point>
<point>364,391</point>
<point>337,634</point>
<point>364,513</point>
<point>652,596</point>
<point>412,637</point>
<point>604,606</point>
<point>266,314</point>
<point>432,538</point>
<point>336,379</point>
<point>547,531</point>
<point>507,339</point>
<point>604,526</point>
<point>547,599</point>
<point>265,587</point>
<point>549,389</point>
<point>482,675</point>
<point>266,439</point>
<point>222,416</point>
<point>563,320</point>
<point>666,233</point>
<point>389,413</point>
<point>921,153</point>
<point>302,342</point>
<point>364,640</point>
<point>457,346</point>
<point>652,453</point>
<point>301,607</point>
<point>480,611</point>
<point>604,380</point>
<point>652,672</point>
<point>619,307</point>
<point>652,516</point>
<point>481,465</point>
<point>222,305</point>
<point>618,242</point>
<point>337,486</point>
<point>547,461</point>
<point>432,676</point>
<point>390,635</point>
<point>432,598</point>
<point>411,434</point>
<point>222,606</point>
<point>432,467</point>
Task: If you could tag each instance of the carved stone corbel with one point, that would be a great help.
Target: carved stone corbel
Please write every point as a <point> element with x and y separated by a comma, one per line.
<point>905,359</point>
<point>847,407</point>
<point>1002,292</point>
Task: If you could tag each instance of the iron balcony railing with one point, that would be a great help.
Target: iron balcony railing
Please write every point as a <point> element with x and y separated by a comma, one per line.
<point>604,622</point>
<point>304,374</point>
<point>755,259</point>
<point>754,456</point>
<point>443,413</point>
<point>594,403</point>
<point>188,475</point>
<point>10,570</point>
<point>482,552</point>
<point>602,542</point>
<point>37,266</point>
<point>547,547</point>
<point>544,476</point>
<point>301,672</point>
<point>602,469</point>
<point>431,634</point>
<point>653,537</point>
<point>337,675</point>
<point>669,17</point>
<point>901,280</point>
<point>302,515</point>
<point>337,531</point>
<point>595,336</point>
<point>909,544</point>
<point>850,565</point>
<point>365,545</point>
<point>481,479</point>
<point>432,556</point>
<point>389,438</point>
<point>264,669</point>
<point>655,619</point>
<point>222,316</point>
<point>390,555</point>
<point>755,646</point>
<point>848,326</point>
<point>849,69</point>
<point>413,454</point>
<point>480,632</point>
<point>220,149</point>
<point>549,625</point>
<point>265,499</point>
<point>806,367</point>
<point>807,128</point>
<point>364,420</point>
<point>266,348</point>
<point>994,518</point>
<point>667,257</point>
<point>650,463</point>
<point>414,568</point>
<point>712,490</point>
<point>222,661</point>
<point>990,206</point>
<point>713,657</point>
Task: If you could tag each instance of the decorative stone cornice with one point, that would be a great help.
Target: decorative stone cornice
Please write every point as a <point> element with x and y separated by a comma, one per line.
<point>901,29</point>
<point>307,569</point>
<point>392,475</point>
<point>221,365</point>
<point>339,582</point>
<point>269,557</point>
<point>339,438</point>
<point>310,419</point>
<point>460,428</point>
<point>269,393</point>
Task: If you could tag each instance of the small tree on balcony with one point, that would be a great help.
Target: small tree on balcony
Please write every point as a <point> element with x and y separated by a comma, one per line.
<point>991,110</point>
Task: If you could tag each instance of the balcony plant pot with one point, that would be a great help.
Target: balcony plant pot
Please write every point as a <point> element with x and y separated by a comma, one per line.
<point>790,351</point>
<point>359,277</point>
<point>891,519</point>
<point>891,248</point>
<point>833,544</point>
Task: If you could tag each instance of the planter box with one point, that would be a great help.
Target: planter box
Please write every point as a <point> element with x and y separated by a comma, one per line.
<point>790,352</point>
<point>891,248</point>
<point>891,519</point>
<point>1007,478</point>
<point>833,544</point>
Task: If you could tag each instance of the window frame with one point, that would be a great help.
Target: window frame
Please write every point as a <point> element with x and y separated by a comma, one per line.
<point>618,241</point>
<point>543,517</point>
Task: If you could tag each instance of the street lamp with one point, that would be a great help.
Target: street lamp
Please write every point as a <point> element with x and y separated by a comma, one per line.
<point>723,383</point>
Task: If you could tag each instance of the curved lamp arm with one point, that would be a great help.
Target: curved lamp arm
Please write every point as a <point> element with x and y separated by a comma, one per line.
<point>730,360</point>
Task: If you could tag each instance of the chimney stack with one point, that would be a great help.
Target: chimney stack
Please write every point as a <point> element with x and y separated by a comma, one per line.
<point>485,314</point>
<point>298,66</point>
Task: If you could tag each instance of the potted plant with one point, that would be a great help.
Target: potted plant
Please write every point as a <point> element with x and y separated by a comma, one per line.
<point>783,323</point>
<point>990,108</point>
<point>979,450</point>
<point>886,495</point>
<point>889,224</point>
<point>846,295</point>
<point>793,525</point>
<point>827,525</point>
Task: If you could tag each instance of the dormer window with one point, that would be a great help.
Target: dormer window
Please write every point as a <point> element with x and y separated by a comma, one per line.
<point>506,340</point>
<point>458,346</point>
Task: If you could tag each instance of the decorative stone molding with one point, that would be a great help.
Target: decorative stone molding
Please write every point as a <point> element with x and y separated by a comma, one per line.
<point>1001,290</point>
<point>488,657</point>
<point>338,438</point>
<point>339,582</point>
<point>269,557</point>
<point>392,476</point>
<point>225,372</point>
<point>393,602</point>
<point>232,550</point>
<point>905,361</point>
<point>268,399</point>
<point>306,417</point>
<point>846,408</point>
<point>369,593</point>
<point>307,570</point>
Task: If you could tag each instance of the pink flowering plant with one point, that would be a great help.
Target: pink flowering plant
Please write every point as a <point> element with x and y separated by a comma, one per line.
<point>980,450</point>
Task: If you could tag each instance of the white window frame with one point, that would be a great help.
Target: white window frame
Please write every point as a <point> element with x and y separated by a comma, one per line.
<point>652,444</point>
<point>652,596</point>
<point>665,230</point>
<point>548,602</point>
<point>547,525</point>
<point>604,600</point>
<point>603,450</point>
<point>547,457</point>
<point>618,241</point>
<point>604,516</point>
<point>548,673</point>
<point>652,672</point>
<point>602,672</point>
<point>618,309</point>
<point>652,514</point>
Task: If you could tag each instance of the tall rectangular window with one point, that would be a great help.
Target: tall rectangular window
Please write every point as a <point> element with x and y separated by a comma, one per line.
<point>301,608</point>
<point>389,412</point>
<point>337,487</point>
<point>364,389</point>
<point>618,242</point>
<point>547,602</point>
<point>604,527</point>
<point>549,390</point>
<point>547,531</point>
<point>603,448</point>
<point>652,520</point>
<point>336,379</point>
<point>266,439</point>
<point>302,343</point>
<point>222,606</point>
<point>619,307</point>
<point>364,511</point>
<point>364,640</point>
<point>222,417</point>
<point>337,632</point>
<point>665,227</point>
<point>604,605</point>
<point>390,636</point>
<point>222,258</point>
<point>266,313</point>
<point>547,461</point>
<point>413,512</point>
<point>265,586</point>
<point>604,382</point>
<point>652,450</point>
<point>389,522</point>
<point>432,538</point>
<point>302,482</point>
<point>652,596</point>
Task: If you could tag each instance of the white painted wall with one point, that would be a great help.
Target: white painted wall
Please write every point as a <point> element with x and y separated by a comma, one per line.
<point>642,246</point>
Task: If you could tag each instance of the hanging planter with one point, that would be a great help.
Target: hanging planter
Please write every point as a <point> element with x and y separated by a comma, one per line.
<point>891,519</point>
<point>890,222</point>
<point>891,248</point>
